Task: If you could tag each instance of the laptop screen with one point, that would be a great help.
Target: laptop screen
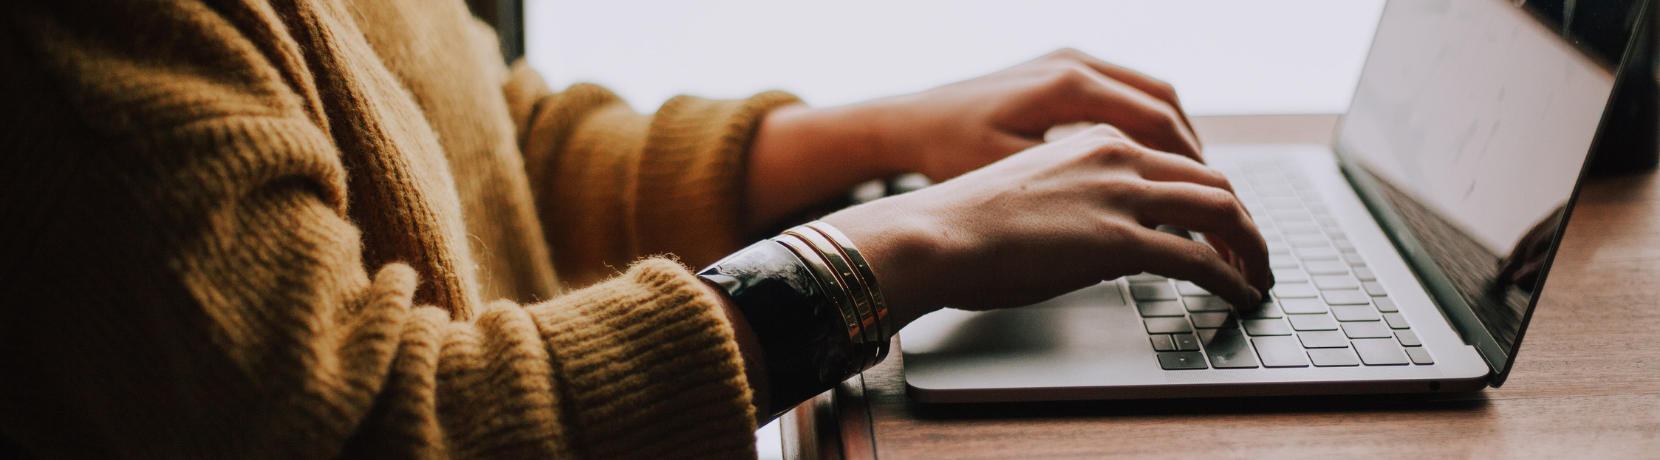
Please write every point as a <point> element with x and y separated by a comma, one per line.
<point>1468,131</point>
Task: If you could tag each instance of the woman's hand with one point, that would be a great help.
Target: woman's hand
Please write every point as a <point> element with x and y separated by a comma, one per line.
<point>1056,218</point>
<point>802,156</point>
<point>957,128</point>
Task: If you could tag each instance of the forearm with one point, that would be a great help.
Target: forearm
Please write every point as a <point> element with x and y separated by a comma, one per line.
<point>801,156</point>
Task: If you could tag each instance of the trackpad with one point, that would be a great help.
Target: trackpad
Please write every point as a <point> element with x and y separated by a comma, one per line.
<point>1083,338</point>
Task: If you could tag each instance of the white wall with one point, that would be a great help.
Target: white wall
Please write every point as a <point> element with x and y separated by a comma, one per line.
<point>1224,56</point>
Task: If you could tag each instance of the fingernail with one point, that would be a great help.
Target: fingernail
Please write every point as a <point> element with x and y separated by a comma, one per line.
<point>1256,297</point>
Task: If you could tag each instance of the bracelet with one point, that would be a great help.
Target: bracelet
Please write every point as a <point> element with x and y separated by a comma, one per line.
<point>814,305</point>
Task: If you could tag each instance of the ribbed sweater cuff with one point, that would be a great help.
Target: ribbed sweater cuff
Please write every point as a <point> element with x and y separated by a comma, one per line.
<point>647,367</point>
<point>692,175</point>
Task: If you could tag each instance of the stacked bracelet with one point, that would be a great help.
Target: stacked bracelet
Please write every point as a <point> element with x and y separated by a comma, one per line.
<point>814,304</point>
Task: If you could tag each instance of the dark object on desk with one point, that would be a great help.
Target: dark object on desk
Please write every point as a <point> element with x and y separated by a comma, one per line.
<point>1630,141</point>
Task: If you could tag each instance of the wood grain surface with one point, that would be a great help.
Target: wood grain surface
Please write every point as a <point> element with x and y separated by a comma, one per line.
<point>1586,383</point>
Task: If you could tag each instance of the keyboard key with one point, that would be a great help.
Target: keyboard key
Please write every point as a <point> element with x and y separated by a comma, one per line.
<point>1380,352</point>
<point>1308,323</point>
<point>1187,288</point>
<point>1292,215</point>
<point>1312,241</point>
<point>1419,356</point>
<point>1268,310</point>
<point>1281,261</point>
<point>1228,349</point>
<point>1374,288</point>
<point>1167,325</point>
<point>1279,248</point>
<point>1299,228</point>
<point>1309,241</point>
<point>1290,275</point>
<point>1276,191</point>
<point>1316,254</point>
<point>1182,360</point>
<point>1152,308</point>
<point>1210,303</point>
<point>1408,338</point>
<point>1327,357</point>
<point>1260,327</point>
<point>1302,306</point>
<point>1346,297</point>
<point>1146,277</point>
<point>1354,259</point>
<point>1162,342</point>
<point>1385,305</point>
<point>1280,352</point>
<point>1336,282</point>
<point>1152,291</point>
<point>1355,313</point>
<point>1293,290</point>
<point>1365,274</point>
<point>1326,268</point>
<point>1283,203</point>
<point>1213,320</point>
<point>1396,320</point>
<point>1367,330</point>
<point>1323,339</point>
<point>1342,243</point>
<point>1261,220</point>
<point>1186,342</point>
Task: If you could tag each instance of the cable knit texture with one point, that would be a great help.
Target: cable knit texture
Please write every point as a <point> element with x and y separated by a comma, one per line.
<point>326,228</point>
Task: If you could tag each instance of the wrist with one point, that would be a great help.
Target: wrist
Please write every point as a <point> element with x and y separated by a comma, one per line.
<point>904,253</point>
<point>801,156</point>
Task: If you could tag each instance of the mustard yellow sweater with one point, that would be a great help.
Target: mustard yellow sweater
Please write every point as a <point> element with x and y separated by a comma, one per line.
<point>325,228</point>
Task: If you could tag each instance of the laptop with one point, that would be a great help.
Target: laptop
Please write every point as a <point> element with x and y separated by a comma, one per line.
<point>1409,255</point>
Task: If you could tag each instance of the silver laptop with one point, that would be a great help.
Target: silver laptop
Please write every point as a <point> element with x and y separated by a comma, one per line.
<point>1409,255</point>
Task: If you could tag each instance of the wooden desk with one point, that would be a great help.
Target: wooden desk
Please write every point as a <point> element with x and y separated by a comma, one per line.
<point>1586,383</point>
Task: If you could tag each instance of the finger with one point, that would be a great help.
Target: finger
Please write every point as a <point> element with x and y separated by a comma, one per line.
<point>1152,86</point>
<point>1176,257</point>
<point>1146,119</point>
<point>1058,132</point>
<point>1159,166</point>
<point>1217,214</point>
<point>1062,131</point>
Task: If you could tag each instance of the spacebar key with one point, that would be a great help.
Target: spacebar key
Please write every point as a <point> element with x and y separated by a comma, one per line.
<point>1228,348</point>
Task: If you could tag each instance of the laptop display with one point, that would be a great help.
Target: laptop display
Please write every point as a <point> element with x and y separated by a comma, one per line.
<point>1467,134</point>
<point>1473,155</point>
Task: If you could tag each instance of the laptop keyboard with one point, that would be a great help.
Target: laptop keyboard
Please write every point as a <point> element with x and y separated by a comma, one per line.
<point>1326,308</point>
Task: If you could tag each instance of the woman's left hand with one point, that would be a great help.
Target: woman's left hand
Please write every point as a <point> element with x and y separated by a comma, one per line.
<point>957,128</point>
<point>801,156</point>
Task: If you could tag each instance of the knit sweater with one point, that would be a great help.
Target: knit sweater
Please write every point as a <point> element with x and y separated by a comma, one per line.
<point>324,228</point>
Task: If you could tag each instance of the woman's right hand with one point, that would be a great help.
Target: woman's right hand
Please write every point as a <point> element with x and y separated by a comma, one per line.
<point>1056,218</point>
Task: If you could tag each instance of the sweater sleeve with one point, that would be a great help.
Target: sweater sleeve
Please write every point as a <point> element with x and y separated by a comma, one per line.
<point>183,279</point>
<point>613,185</point>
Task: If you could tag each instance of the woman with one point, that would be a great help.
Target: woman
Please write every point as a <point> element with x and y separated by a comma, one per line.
<point>321,228</point>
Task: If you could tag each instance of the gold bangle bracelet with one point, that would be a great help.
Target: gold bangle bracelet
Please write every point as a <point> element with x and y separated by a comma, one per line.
<point>874,290</point>
<point>846,276</point>
<point>847,279</point>
<point>865,351</point>
<point>837,294</point>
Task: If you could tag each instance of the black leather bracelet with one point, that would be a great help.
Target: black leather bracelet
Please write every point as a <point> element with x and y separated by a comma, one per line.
<point>802,332</point>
